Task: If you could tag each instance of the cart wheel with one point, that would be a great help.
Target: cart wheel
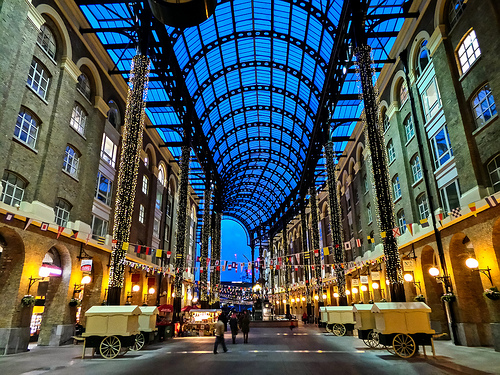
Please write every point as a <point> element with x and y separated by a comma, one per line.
<point>372,339</point>
<point>139,342</point>
<point>338,329</point>
<point>404,345</point>
<point>328,329</point>
<point>110,347</point>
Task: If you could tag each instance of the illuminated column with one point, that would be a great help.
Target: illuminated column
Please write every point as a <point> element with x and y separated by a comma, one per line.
<point>307,254</point>
<point>127,172</point>
<point>205,234</point>
<point>335,223</point>
<point>180,245</point>
<point>215,275</point>
<point>286,254</point>
<point>315,235</point>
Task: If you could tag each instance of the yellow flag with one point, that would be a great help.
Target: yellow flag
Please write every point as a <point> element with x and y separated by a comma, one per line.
<point>125,246</point>
<point>326,251</point>
<point>158,253</point>
<point>383,234</point>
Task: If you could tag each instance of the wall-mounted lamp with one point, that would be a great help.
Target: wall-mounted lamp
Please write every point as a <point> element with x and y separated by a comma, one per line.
<point>347,292</point>
<point>316,297</point>
<point>303,299</point>
<point>364,288</point>
<point>335,295</point>
<point>473,264</point>
<point>33,280</point>
<point>434,272</point>
<point>136,288</point>
<point>354,290</point>
<point>409,279</point>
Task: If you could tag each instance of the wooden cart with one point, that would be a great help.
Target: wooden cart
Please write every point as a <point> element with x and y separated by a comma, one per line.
<point>111,329</point>
<point>403,327</point>
<point>365,324</point>
<point>340,319</point>
<point>324,316</point>
<point>147,327</point>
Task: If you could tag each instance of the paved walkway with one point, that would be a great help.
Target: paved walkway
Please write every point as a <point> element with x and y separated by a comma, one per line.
<point>276,351</point>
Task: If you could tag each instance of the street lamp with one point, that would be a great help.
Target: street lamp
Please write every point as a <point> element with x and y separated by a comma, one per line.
<point>364,288</point>
<point>473,264</point>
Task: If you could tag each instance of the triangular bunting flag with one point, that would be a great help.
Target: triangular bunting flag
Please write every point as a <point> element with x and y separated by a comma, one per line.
<point>358,242</point>
<point>75,234</point>
<point>395,232</point>
<point>60,229</point>
<point>456,213</point>
<point>297,258</point>
<point>89,236</point>
<point>169,253</point>
<point>410,228</point>
<point>472,207</point>
<point>27,223</point>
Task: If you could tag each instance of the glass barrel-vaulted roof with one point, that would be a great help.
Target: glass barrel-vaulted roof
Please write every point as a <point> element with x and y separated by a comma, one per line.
<point>256,75</point>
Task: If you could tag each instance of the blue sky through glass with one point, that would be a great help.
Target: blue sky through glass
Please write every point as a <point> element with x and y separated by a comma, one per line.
<point>234,248</point>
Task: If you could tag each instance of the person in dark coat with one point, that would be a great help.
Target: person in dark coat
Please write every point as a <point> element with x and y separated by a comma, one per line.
<point>304,318</point>
<point>233,324</point>
<point>224,320</point>
<point>245,326</point>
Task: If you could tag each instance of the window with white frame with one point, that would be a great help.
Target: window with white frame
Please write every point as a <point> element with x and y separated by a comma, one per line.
<point>468,51</point>
<point>369,213</point>
<point>441,147</point>
<point>366,185</point>
<point>142,213</point>
<point>78,119</point>
<point>416,169</point>
<point>108,150</point>
<point>83,85</point>
<point>61,211</point>
<point>483,105</point>
<point>156,227</point>
<point>396,187</point>
<point>409,129</point>
<point>99,226</point>
<point>26,129</point>
<point>12,188</point>
<point>145,184</point>
<point>431,99</point>
<point>47,41</point>
<point>401,221</point>
<point>423,207</point>
<point>385,123</point>
<point>494,172</point>
<point>391,152</point>
<point>161,175</point>
<point>423,58</point>
<point>403,93</point>
<point>104,189</point>
<point>71,161</point>
<point>38,78</point>
<point>455,10</point>
<point>450,195</point>
<point>159,196</point>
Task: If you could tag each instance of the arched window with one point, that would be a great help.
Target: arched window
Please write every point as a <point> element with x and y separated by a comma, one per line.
<point>161,174</point>
<point>26,129</point>
<point>71,161</point>
<point>391,152</point>
<point>483,106</point>
<point>114,116</point>
<point>401,221</point>
<point>83,86</point>
<point>423,207</point>
<point>423,58</point>
<point>78,119</point>
<point>416,169</point>
<point>455,10</point>
<point>13,187</point>
<point>409,129</point>
<point>468,51</point>
<point>47,41</point>
<point>385,121</point>
<point>403,93</point>
<point>61,211</point>
<point>494,172</point>
<point>396,187</point>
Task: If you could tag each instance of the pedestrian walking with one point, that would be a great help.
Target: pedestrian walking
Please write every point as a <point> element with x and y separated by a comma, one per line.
<point>233,324</point>
<point>304,318</point>
<point>245,326</point>
<point>219,335</point>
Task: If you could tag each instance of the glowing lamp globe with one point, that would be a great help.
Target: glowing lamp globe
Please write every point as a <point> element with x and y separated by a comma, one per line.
<point>364,288</point>
<point>316,297</point>
<point>151,290</point>
<point>43,272</point>
<point>336,295</point>
<point>408,277</point>
<point>303,299</point>
<point>434,271</point>
<point>354,290</point>
<point>86,280</point>
<point>375,286</point>
<point>324,296</point>
<point>472,263</point>
<point>284,301</point>
<point>347,292</point>
<point>136,288</point>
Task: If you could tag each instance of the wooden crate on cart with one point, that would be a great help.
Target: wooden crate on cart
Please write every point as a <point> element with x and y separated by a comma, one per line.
<point>147,326</point>
<point>342,319</point>
<point>403,326</point>
<point>112,329</point>
<point>365,324</point>
<point>323,313</point>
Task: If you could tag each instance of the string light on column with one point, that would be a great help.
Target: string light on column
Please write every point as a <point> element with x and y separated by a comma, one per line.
<point>315,234</point>
<point>205,234</point>
<point>127,170</point>
<point>215,276</point>
<point>305,269</point>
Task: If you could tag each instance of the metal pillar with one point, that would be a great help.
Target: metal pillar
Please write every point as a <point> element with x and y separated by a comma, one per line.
<point>307,255</point>
<point>181,230</point>
<point>376,144</point>
<point>286,253</point>
<point>127,172</point>
<point>215,275</point>
<point>335,223</point>
<point>315,234</point>
<point>252,247</point>
<point>205,234</point>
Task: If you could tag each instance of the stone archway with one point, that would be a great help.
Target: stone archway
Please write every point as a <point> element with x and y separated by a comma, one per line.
<point>473,317</point>
<point>433,291</point>
<point>13,328</point>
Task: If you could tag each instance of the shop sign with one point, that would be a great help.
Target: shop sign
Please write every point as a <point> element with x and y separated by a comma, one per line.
<point>364,279</point>
<point>86,265</point>
<point>408,265</point>
<point>355,282</point>
<point>375,275</point>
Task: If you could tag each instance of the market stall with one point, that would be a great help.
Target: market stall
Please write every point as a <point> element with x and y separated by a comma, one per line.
<point>201,322</point>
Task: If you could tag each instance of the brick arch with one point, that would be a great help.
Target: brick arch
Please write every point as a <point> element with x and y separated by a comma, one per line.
<point>50,12</point>
<point>433,290</point>
<point>12,285</point>
<point>397,81</point>
<point>95,76</point>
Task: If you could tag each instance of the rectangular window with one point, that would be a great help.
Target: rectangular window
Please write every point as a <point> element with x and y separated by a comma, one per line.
<point>99,227</point>
<point>26,129</point>
<point>369,212</point>
<point>441,147</point>
<point>431,100</point>
<point>159,196</point>
<point>38,79</point>
<point>78,119</point>
<point>142,213</point>
<point>450,196</point>
<point>156,228</point>
<point>423,208</point>
<point>108,151</point>
<point>145,184</point>
<point>62,216</point>
<point>104,189</point>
